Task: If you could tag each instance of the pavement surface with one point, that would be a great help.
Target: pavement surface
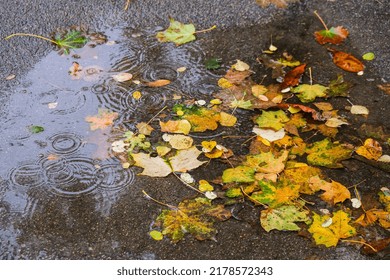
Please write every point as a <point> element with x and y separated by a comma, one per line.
<point>72,229</point>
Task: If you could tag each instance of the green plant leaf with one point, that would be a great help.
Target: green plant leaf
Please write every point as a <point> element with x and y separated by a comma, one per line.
<point>213,64</point>
<point>369,56</point>
<point>328,154</point>
<point>72,39</point>
<point>36,129</point>
<point>239,174</point>
<point>283,218</point>
<point>272,119</point>
<point>177,33</point>
<point>308,93</point>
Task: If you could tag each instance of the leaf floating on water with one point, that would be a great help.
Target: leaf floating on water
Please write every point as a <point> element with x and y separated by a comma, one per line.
<point>102,120</point>
<point>36,129</point>
<point>330,236</point>
<point>334,35</point>
<point>346,61</point>
<point>122,77</point>
<point>158,83</point>
<point>73,38</point>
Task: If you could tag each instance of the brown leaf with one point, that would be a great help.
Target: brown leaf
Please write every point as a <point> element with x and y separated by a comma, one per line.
<point>292,78</point>
<point>346,61</point>
<point>102,120</point>
<point>158,83</point>
<point>378,245</point>
<point>334,35</point>
<point>237,77</point>
<point>385,88</point>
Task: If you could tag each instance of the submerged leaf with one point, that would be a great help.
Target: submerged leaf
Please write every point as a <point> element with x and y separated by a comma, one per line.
<point>330,236</point>
<point>283,218</point>
<point>213,64</point>
<point>102,120</point>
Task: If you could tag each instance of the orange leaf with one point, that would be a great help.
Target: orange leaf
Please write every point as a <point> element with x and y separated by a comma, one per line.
<point>334,35</point>
<point>346,61</point>
<point>334,192</point>
<point>102,120</point>
<point>292,78</point>
<point>158,83</point>
<point>370,150</point>
<point>371,216</point>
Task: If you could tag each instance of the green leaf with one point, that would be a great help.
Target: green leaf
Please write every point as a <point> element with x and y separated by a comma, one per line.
<point>196,217</point>
<point>339,87</point>
<point>177,33</point>
<point>267,162</point>
<point>283,218</point>
<point>308,93</point>
<point>276,194</point>
<point>243,104</point>
<point>328,154</point>
<point>72,39</point>
<point>36,129</point>
<point>272,119</point>
<point>233,192</point>
<point>368,56</point>
<point>156,235</point>
<point>239,174</point>
<point>213,63</point>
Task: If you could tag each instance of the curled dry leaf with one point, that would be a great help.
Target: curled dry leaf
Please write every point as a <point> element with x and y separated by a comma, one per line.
<point>292,78</point>
<point>334,35</point>
<point>346,61</point>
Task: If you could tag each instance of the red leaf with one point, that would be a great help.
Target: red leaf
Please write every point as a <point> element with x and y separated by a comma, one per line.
<point>292,78</point>
<point>334,35</point>
<point>315,115</point>
<point>346,61</point>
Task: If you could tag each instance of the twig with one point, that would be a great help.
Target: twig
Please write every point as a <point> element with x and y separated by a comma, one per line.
<point>322,21</point>
<point>158,202</point>
<point>360,242</point>
<point>156,115</point>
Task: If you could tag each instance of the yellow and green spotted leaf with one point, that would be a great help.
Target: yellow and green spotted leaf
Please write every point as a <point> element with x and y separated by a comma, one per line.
<point>283,218</point>
<point>239,174</point>
<point>272,119</point>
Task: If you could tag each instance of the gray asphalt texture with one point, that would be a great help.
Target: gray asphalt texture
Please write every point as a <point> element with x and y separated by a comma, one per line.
<point>123,235</point>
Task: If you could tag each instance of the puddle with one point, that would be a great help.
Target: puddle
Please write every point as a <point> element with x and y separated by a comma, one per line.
<point>61,196</point>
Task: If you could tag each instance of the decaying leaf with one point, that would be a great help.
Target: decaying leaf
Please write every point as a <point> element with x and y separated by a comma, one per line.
<point>328,154</point>
<point>180,142</point>
<point>334,35</point>
<point>276,194</point>
<point>196,217</point>
<point>302,176</point>
<point>330,236</point>
<point>370,150</point>
<point>334,192</point>
<point>102,120</point>
<point>239,174</point>
<point>181,126</point>
<point>158,83</point>
<point>346,61</point>
<point>272,119</point>
<point>284,217</point>
<point>373,215</point>
<point>267,162</point>
<point>339,87</point>
<point>144,128</point>
<point>308,93</point>
<point>240,66</point>
<point>292,78</point>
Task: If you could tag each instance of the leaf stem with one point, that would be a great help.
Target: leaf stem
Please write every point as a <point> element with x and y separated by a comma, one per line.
<point>158,202</point>
<point>127,5</point>
<point>361,242</point>
<point>31,35</point>
<point>322,21</point>
<point>188,185</point>
<point>156,115</point>
<point>206,30</point>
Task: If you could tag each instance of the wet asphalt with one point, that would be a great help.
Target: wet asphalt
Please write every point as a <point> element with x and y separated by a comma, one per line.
<point>123,233</point>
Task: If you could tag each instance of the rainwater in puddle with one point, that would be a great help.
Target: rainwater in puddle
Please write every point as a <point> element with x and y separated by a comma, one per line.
<point>68,165</point>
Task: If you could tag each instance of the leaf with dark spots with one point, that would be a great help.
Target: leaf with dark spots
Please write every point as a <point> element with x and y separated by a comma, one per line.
<point>346,61</point>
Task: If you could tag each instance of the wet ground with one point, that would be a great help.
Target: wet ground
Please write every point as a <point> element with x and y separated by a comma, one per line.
<point>63,195</point>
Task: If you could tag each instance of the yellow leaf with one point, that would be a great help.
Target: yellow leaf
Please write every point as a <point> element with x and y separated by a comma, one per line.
<point>205,186</point>
<point>144,128</point>
<point>214,154</point>
<point>224,83</point>
<point>302,176</point>
<point>259,90</point>
<point>137,95</point>
<point>208,146</point>
<point>227,119</point>
<point>371,216</point>
<point>181,126</point>
<point>267,162</point>
<point>158,83</point>
<point>330,236</point>
<point>180,142</point>
<point>370,150</point>
<point>334,192</point>
<point>162,150</point>
<point>240,66</point>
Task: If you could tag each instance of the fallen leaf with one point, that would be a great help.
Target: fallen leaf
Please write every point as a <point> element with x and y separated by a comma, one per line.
<point>302,176</point>
<point>359,110</point>
<point>187,178</point>
<point>385,88</point>
<point>213,64</point>
<point>335,122</point>
<point>327,154</point>
<point>73,38</point>
<point>289,63</point>
<point>177,33</point>
<point>308,93</point>
<point>122,77</point>
<point>346,61</point>
<point>186,160</point>
<point>136,141</point>
<point>267,162</point>
<point>205,186</point>
<point>196,217</point>
<point>240,66</point>
<point>276,194</point>
<point>379,245</point>
<point>373,215</point>
<point>239,174</point>
<point>277,3</point>
<point>144,128</point>
<point>227,119</point>
<point>334,192</point>
<point>181,126</point>
<point>181,69</point>
<point>272,119</point>
<point>334,35</point>
<point>330,236</point>
<point>292,78</point>
<point>384,198</point>
<point>156,235</point>
<point>180,142</point>
<point>10,77</point>
<point>339,87</point>
<point>137,95</point>
<point>36,129</point>
<point>284,217</point>
<point>370,150</point>
<point>368,56</point>
<point>102,120</point>
<point>323,106</point>
<point>237,77</point>
<point>158,83</point>
<point>269,134</point>
<point>152,166</point>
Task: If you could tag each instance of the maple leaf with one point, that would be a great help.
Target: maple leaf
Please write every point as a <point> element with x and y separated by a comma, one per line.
<point>183,161</point>
<point>373,215</point>
<point>301,176</point>
<point>334,192</point>
<point>276,194</point>
<point>328,154</point>
<point>284,217</point>
<point>179,33</point>
<point>272,119</point>
<point>370,150</point>
<point>346,61</point>
<point>334,35</point>
<point>102,120</point>
<point>292,78</point>
<point>196,217</point>
<point>239,174</point>
<point>267,162</point>
<point>330,236</point>
<point>339,87</point>
<point>308,93</point>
